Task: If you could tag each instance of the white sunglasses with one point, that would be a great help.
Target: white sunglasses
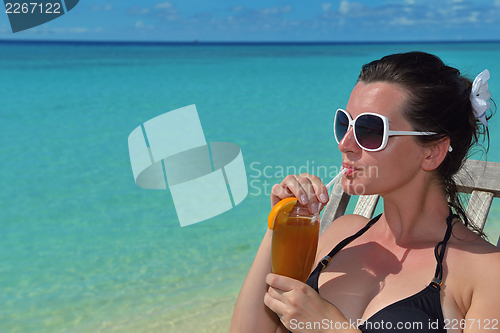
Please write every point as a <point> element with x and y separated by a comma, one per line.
<point>371,130</point>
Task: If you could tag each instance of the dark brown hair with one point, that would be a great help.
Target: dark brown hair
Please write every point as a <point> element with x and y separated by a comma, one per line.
<point>439,102</point>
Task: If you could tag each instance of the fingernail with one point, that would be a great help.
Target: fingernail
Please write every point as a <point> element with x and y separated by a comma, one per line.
<point>323,198</point>
<point>303,199</point>
<point>314,208</point>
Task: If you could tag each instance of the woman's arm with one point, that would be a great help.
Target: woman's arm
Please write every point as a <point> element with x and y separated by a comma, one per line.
<point>250,313</point>
<point>483,314</point>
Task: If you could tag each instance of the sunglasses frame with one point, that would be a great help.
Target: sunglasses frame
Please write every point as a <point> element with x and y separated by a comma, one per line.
<point>387,131</point>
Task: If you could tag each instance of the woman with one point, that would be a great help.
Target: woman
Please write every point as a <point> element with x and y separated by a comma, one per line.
<point>389,276</point>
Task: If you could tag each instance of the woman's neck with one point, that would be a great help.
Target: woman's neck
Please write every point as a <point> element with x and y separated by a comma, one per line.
<point>416,216</point>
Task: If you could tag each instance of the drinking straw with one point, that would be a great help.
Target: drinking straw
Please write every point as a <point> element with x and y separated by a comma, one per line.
<point>330,184</point>
<point>340,174</point>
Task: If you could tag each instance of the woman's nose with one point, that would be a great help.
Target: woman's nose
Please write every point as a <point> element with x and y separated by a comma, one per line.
<point>348,142</point>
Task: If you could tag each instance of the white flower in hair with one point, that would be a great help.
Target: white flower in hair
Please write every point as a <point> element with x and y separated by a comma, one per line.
<point>480,95</point>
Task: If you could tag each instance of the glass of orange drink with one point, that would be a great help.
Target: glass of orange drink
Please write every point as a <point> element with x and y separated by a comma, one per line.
<point>295,239</point>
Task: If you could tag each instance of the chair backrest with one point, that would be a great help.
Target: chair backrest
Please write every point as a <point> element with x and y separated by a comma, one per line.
<point>481,179</point>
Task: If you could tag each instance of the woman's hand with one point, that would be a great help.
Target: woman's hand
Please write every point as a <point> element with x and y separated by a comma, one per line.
<point>308,189</point>
<point>299,307</point>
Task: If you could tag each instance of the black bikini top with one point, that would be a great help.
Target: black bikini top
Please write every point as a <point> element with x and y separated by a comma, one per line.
<point>420,312</point>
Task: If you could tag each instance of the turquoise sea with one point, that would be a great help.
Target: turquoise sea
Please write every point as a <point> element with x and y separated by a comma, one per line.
<point>83,248</point>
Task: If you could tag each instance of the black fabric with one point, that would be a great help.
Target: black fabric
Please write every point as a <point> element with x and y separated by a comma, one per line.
<point>420,312</point>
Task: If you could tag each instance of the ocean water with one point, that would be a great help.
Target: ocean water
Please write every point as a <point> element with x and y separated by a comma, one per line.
<point>83,249</point>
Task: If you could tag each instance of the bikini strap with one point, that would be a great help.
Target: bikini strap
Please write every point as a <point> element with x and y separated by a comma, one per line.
<point>324,262</point>
<point>439,252</point>
<point>312,281</point>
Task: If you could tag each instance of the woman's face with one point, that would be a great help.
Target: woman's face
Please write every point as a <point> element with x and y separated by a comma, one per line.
<point>398,163</point>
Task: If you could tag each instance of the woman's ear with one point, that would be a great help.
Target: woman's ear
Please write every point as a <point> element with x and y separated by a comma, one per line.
<point>436,153</point>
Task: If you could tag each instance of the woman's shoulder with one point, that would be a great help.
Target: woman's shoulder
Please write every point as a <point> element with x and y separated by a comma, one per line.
<point>346,225</point>
<point>341,228</point>
<point>473,256</point>
<point>473,265</point>
<point>471,244</point>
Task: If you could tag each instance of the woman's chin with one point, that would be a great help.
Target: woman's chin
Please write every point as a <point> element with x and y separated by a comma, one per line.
<point>353,188</point>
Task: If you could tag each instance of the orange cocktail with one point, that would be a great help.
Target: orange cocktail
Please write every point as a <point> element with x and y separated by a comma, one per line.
<point>294,244</point>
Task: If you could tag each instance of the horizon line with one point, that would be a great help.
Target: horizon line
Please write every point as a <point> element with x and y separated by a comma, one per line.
<point>235,43</point>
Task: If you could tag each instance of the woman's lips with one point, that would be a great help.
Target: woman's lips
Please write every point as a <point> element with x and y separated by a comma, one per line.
<point>350,169</point>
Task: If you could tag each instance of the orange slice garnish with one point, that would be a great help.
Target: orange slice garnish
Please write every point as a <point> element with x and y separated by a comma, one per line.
<point>284,206</point>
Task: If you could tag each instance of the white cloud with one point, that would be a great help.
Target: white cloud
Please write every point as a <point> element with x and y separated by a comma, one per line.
<point>406,15</point>
<point>276,10</point>
<point>140,25</point>
<point>163,5</point>
<point>46,29</point>
<point>473,17</point>
<point>402,21</point>
<point>78,30</point>
<point>346,7</point>
<point>326,6</point>
<point>166,10</point>
<point>138,11</point>
<point>163,10</point>
<point>101,8</point>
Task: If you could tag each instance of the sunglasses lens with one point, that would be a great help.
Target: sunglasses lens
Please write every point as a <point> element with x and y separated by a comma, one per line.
<point>341,125</point>
<point>369,131</point>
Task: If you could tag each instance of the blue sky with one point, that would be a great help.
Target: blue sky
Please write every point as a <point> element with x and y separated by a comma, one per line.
<point>271,20</point>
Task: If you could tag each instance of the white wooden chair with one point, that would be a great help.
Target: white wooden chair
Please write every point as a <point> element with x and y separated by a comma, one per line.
<point>481,179</point>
